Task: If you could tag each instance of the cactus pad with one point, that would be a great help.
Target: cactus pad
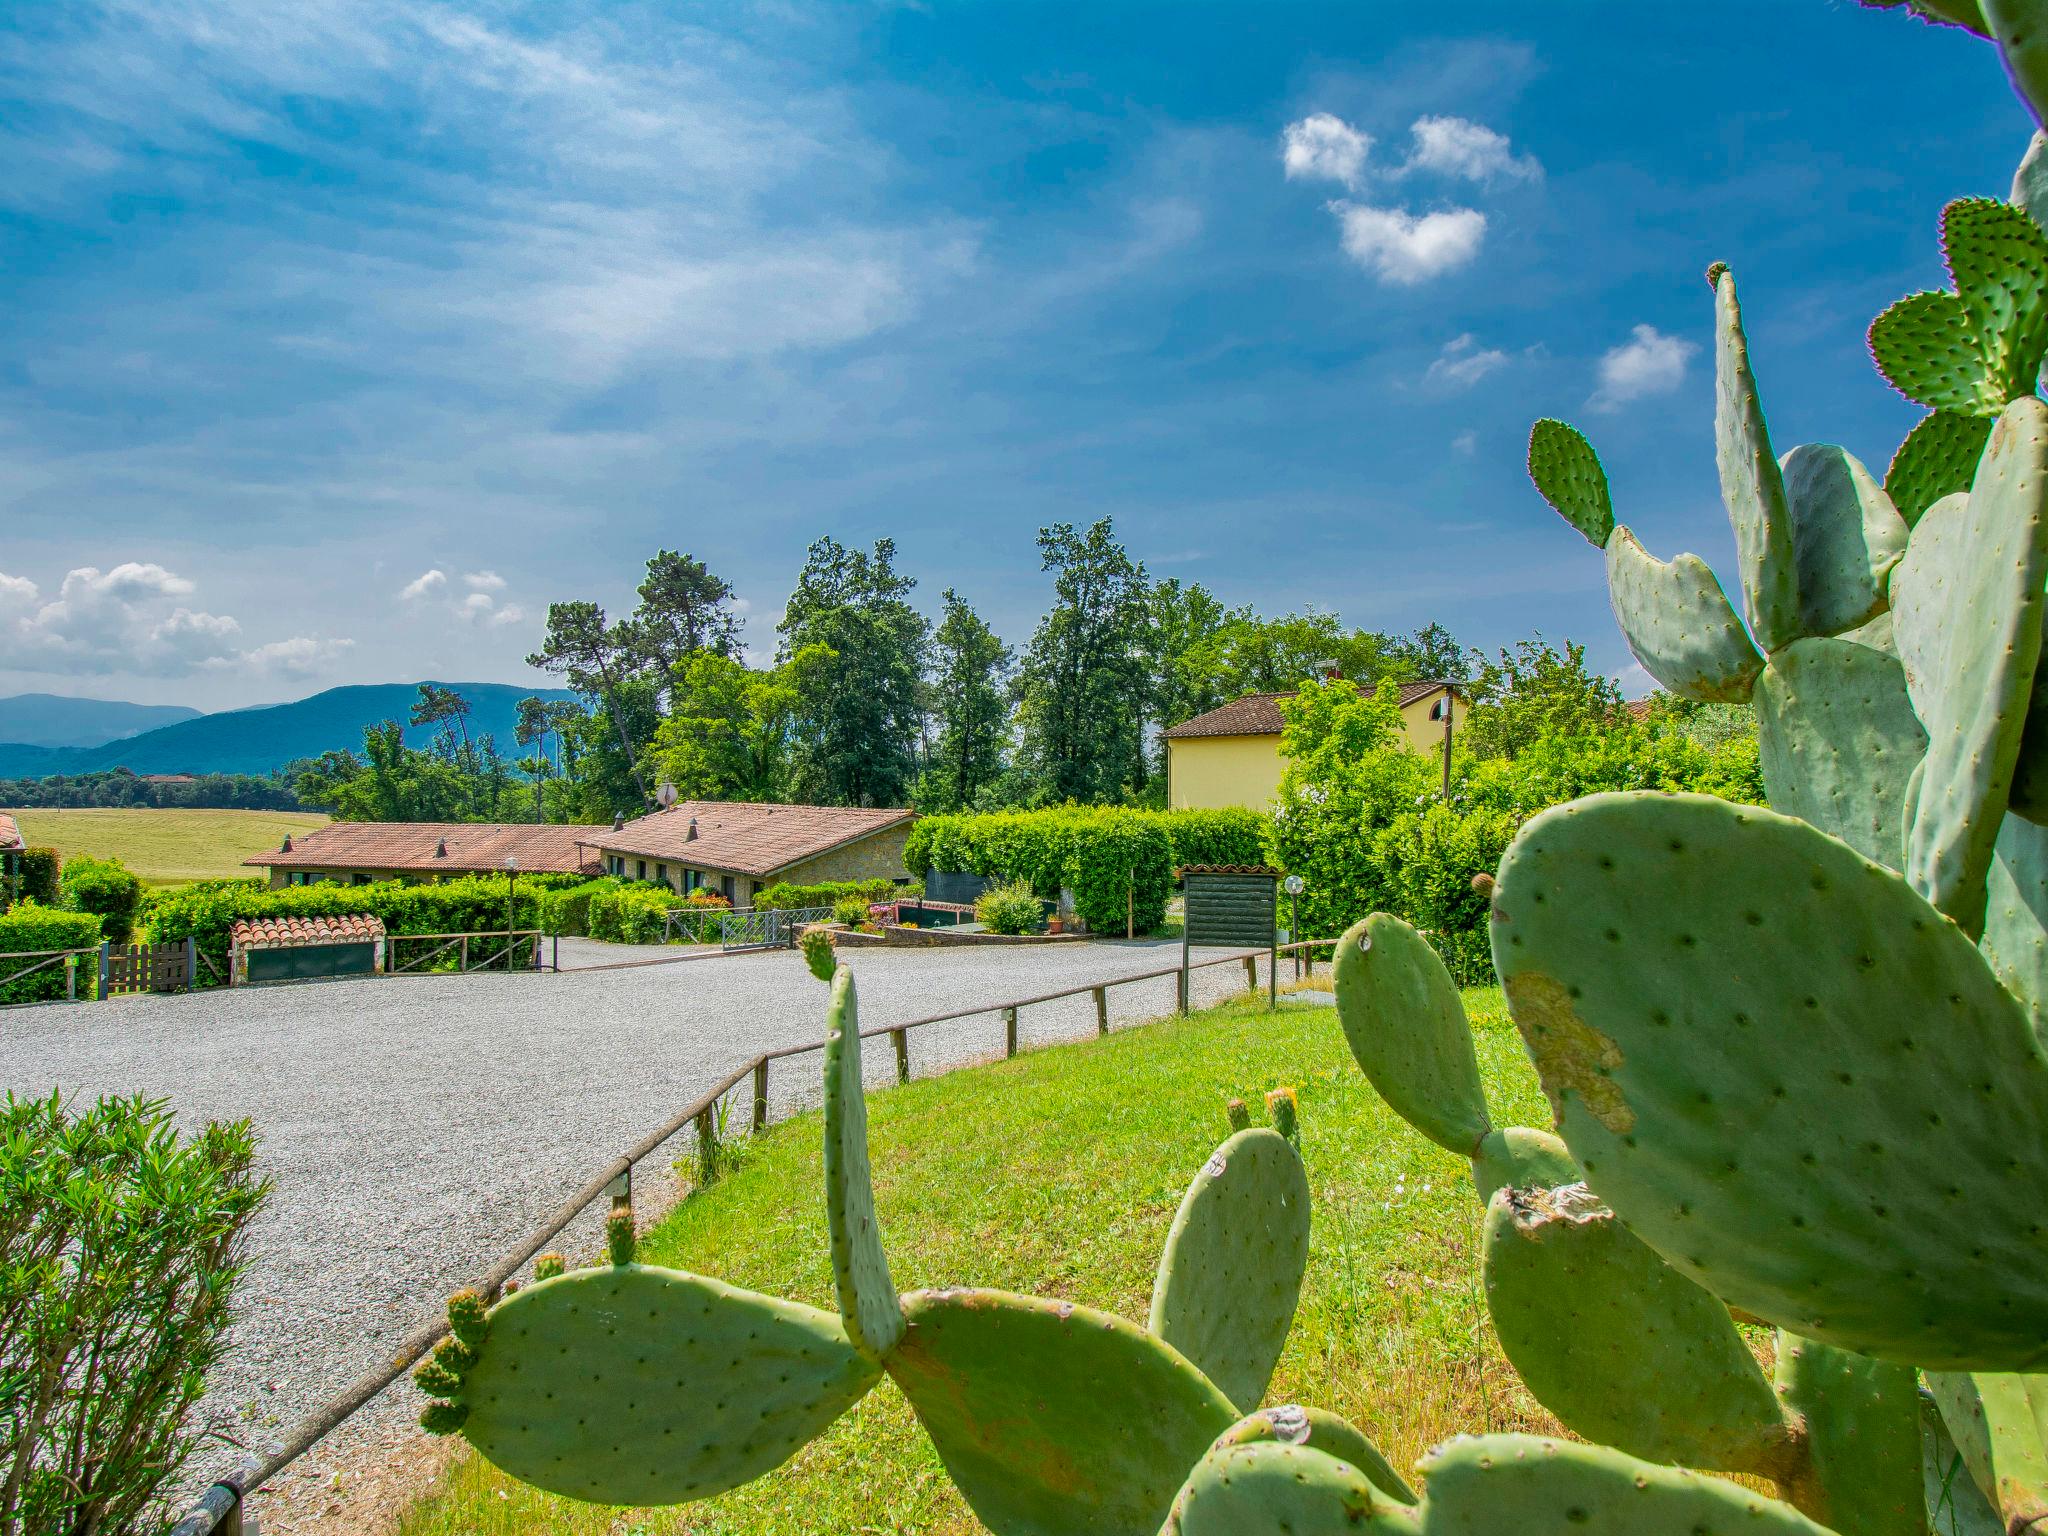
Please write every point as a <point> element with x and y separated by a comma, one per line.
<point>1231,1274</point>
<point>1525,1158</point>
<point>1838,741</point>
<point>1967,609</point>
<point>1489,1484</point>
<point>1752,486</point>
<point>1678,622</point>
<point>1268,1488</point>
<point>1323,1431</point>
<point>631,1385</point>
<point>1927,348</point>
<point>1980,347</point>
<point>2016,916</point>
<point>2000,1424</point>
<point>860,1269</point>
<point>1054,1418</point>
<point>1406,1024</point>
<point>1862,1423</point>
<point>1936,459</point>
<point>1799,1085</point>
<point>1621,1347</point>
<point>1567,471</point>
<point>1846,537</point>
<point>1956,1506</point>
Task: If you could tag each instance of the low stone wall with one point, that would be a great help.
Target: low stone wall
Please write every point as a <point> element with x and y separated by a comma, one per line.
<point>899,937</point>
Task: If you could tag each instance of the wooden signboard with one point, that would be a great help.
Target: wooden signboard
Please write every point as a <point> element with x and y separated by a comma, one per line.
<point>1232,905</point>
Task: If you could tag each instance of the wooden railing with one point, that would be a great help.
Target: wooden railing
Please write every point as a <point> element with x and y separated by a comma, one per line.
<point>219,1511</point>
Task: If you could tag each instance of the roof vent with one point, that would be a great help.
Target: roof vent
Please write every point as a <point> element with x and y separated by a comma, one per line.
<point>691,835</point>
<point>619,821</point>
<point>286,847</point>
<point>441,849</point>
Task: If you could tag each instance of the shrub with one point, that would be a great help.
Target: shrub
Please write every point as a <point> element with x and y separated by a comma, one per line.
<point>632,914</point>
<point>1009,909</point>
<point>1426,862</point>
<point>1229,836</point>
<point>783,896</point>
<point>1119,863</point>
<point>567,911</point>
<point>107,888</point>
<point>850,910</point>
<point>125,1246</point>
<point>29,927</point>
<point>39,872</point>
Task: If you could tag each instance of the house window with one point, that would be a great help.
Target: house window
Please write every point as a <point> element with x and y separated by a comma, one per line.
<point>640,872</point>
<point>661,873</point>
<point>725,886</point>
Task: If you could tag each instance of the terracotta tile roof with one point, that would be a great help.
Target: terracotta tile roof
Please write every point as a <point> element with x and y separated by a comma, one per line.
<point>410,847</point>
<point>10,834</point>
<point>286,932</point>
<point>1258,714</point>
<point>1228,869</point>
<point>744,838</point>
<point>1639,708</point>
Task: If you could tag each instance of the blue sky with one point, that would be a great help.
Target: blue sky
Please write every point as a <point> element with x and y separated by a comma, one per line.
<point>340,335</point>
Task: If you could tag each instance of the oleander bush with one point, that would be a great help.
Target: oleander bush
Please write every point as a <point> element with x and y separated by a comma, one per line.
<point>122,1246</point>
<point>106,888</point>
<point>28,927</point>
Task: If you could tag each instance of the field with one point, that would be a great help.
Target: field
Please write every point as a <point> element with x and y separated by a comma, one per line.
<point>166,847</point>
<point>1058,1174</point>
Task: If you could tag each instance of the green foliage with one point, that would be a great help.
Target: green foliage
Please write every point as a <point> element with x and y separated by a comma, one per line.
<point>205,913</point>
<point>730,733</point>
<point>784,896</point>
<point>631,913</point>
<point>1009,909</point>
<point>40,870</point>
<point>1232,835</point>
<point>970,705</point>
<point>1118,863</point>
<point>105,888</point>
<point>567,911</point>
<point>29,926</point>
<point>119,787</point>
<point>850,910</point>
<point>124,1250</point>
<point>1535,690</point>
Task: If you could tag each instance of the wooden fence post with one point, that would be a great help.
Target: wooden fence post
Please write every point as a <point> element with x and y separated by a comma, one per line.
<point>1102,1010</point>
<point>1251,973</point>
<point>71,978</point>
<point>901,1038</point>
<point>106,950</point>
<point>761,1094</point>
<point>191,962</point>
<point>463,963</point>
<point>707,1146</point>
<point>1009,1031</point>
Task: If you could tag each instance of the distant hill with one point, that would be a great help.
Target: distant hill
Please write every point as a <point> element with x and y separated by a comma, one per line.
<point>265,738</point>
<point>52,720</point>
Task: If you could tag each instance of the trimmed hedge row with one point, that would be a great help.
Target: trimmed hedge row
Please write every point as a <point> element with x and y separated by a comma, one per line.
<point>28,926</point>
<point>105,888</point>
<point>783,896</point>
<point>1119,863</point>
<point>39,874</point>
<point>567,911</point>
<point>632,913</point>
<point>474,904</point>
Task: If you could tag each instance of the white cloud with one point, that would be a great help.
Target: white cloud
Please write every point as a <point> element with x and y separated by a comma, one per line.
<point>1465,443</point>
<point>1651,363</point>
<point>484,581</point>
<point>1322,147</point>
<point>1405,248</point>
<point>511,613</point>
<point>1463,363</point>
<point>423,585</point>
<point>300,656</point>
<point>475,606</point>
<point>1457,146</point>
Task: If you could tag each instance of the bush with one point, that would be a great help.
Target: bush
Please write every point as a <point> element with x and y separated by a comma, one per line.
<point>473,904</point>
<point>783,897</point>
<point>1119,863</point>
<point>850,910</point>
<point>567,911</point>
<point>107,888</point>
<point>632,914</point>
<point>1426,862</point>
<point>28,927</point>
<point>125,1247</point>
<point>1230,836</point>
<point>1009,909</point>
<point>39,872</point>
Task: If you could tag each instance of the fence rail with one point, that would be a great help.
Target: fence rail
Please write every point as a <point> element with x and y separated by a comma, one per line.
<point>481,957</point>
<point>218,1512</point>
<point>44,959</point>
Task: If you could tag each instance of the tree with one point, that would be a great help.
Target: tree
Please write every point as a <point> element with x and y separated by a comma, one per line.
<point>444,709</point>
<point>730,733</point>
<point>970,702</point>
<point>1432,654</point>
<point>1081,689</point>
<point>683,609</point>
<point>531,732</point>
<point>858,716</point>
<point>598,660</point>
<point>1535,690</point>
<point>1187,640</point>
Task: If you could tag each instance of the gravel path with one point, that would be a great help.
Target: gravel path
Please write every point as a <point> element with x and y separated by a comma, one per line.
<point>417,1127</point>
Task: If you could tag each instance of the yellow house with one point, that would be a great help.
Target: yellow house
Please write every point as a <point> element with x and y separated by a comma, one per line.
<point>1231,756</point>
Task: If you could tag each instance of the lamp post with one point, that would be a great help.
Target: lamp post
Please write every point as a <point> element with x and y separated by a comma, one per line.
<point>511,880</point>
<point>1292,885</point>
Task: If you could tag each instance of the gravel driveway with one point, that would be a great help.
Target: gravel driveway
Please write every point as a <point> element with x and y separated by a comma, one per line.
<point>418,1127</point>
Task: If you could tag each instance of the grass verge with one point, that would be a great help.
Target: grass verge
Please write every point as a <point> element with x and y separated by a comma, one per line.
<point>1058,1174</point>
<point>165,847</point>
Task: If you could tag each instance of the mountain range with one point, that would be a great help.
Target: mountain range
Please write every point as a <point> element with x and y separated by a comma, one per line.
<point>256,740</point>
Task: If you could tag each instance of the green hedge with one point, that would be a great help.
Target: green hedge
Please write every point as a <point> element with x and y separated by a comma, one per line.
<point>105,888</point>
<point>1230,836</point>
<point>28,926</point>
<point>39,875</point>
<point>1118,863</point>
<point>783,896</point>
<point>475,904</point>
<point>567,910</point>
<point>632,914</point>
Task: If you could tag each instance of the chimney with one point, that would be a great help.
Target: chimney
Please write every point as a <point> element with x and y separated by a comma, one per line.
<point>619,821</point>
<point>441,849</point>
<point>691,835</point>
<point>286,847</point>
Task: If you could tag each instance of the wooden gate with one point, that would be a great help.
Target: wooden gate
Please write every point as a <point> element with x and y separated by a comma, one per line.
<point>145,968</point>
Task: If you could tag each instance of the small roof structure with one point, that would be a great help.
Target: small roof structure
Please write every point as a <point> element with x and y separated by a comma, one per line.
<point>435,847</point>
<point>10,834</point>
<point>1258,714</point>
<point>745,838</point>
<point>292,932</point>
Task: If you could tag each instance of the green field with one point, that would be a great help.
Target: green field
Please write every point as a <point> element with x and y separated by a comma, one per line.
<point>166,847</point>
<point>1058,1174</point>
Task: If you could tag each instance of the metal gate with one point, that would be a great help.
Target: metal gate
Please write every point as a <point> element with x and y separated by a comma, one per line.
<point>145,968</point>
<point>766,928</point>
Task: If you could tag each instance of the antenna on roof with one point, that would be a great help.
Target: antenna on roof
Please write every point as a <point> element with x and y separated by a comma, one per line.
<point>665,795</point>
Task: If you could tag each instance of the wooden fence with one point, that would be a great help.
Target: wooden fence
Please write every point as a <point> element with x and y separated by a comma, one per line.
<point>218,1512</point>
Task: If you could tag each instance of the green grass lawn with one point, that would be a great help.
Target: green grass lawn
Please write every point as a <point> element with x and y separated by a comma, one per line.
<point>165,847</point>
<point>1058,1174</point>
